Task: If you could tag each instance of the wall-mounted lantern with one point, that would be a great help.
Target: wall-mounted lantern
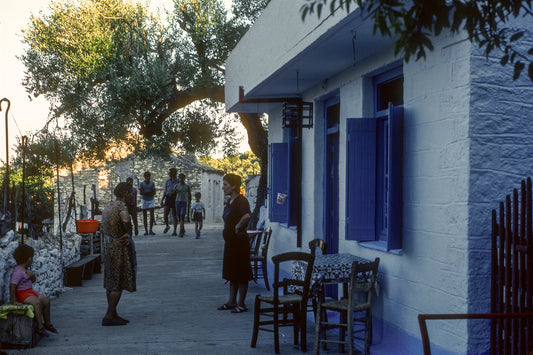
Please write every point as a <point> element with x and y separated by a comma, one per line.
<point>298,114</point>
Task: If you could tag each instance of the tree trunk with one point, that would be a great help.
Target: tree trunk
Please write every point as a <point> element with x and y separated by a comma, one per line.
<point>258,141</point>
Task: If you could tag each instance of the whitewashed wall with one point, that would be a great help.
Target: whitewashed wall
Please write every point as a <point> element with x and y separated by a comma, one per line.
<point>501,133</point>
<point>431,276</point>
<point>467,143</point>
<point>212,196</point>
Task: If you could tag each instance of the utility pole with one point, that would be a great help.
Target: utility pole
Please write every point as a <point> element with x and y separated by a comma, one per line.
<point>6,184</point>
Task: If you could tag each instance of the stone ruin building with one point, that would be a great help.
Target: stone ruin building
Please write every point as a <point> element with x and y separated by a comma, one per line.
<point>98,183</point>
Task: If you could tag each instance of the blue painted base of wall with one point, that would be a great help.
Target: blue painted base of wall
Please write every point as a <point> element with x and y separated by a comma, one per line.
<point>387,339</point>
<point>390,340</point>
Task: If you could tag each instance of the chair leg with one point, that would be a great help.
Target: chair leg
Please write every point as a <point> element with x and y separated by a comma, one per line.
<point>314,303</point>
<point>303,328</point>
<point>256,270</point>
<point>265,273</point>
<point>316,346</point>
<point>276,329</point>
<point>256,321</point>
<point>349,330</point>
<point>342,336</point>
<point>297,322</point>
<point>368,331</point>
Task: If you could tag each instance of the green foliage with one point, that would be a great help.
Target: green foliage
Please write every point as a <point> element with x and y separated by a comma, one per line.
<point>248,11</point>
<point>200,128</point>
<point>413,23</point>
<point>243,164</point>
<point>39,194</point>
<point>116,74</point>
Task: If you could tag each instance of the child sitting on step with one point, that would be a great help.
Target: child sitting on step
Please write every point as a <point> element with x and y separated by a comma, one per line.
<point>21,290</point>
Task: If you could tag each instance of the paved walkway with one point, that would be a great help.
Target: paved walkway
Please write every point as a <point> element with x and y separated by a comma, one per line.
<point>174,311</point>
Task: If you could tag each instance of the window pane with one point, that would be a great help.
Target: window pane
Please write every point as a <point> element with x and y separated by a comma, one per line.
<point>389,91</point>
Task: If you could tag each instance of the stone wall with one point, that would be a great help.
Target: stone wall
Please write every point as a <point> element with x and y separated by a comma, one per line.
<point>199,176</point>
<point>48,262</point>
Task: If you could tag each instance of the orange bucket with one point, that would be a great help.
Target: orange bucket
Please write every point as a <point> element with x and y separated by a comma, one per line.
<point>87,225</point>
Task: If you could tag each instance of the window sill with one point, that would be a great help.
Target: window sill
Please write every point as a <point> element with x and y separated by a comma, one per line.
<point>380,245</point>
<point>286,225</point>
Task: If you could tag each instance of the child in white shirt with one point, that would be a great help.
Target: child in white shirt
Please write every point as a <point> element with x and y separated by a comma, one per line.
<point>198,214</point>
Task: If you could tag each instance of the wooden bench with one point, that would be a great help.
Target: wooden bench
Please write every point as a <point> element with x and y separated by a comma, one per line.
<point>82,269</point>
<point>18,330</point>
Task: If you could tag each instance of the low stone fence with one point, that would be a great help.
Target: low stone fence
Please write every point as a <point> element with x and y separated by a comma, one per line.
<point>48,262</point>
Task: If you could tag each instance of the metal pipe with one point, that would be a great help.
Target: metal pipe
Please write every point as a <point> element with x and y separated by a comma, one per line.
<point>6,185</point>
<point>24,146</point>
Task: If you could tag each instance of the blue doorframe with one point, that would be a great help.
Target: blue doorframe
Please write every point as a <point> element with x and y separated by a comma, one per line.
<point>331,179</point>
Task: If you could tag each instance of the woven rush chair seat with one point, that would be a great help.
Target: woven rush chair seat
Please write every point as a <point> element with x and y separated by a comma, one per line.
<point>284,299</point>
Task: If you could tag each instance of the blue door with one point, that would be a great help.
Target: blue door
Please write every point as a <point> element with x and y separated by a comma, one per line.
<point>331,190</point>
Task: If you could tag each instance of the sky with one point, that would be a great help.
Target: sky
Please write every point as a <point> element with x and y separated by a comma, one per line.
<point>25,116</point>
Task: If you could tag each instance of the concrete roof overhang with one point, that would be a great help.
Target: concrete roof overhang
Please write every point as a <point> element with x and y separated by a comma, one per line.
<point>338,48</point>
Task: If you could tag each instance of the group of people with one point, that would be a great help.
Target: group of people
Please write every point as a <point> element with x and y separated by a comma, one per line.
<point>120,266</point>
<point>176,200</point>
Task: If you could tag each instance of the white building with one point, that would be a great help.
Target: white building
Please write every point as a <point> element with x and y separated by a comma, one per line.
<point>413,184</point>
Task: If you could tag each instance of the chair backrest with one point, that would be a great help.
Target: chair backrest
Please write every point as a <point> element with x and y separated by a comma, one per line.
<point>255,240</point>
<point>266,241</point>
<point>363,279</point>
<point>318,243</point>
<point>288,283</point>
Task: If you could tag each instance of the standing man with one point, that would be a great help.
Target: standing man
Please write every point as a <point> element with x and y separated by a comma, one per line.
<point>183,198</point>
<point>132,204</point>
<point>147,191</point>
<point>169,200</point>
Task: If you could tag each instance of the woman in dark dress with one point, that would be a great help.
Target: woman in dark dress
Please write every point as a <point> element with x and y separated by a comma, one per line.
<point>236,268</point>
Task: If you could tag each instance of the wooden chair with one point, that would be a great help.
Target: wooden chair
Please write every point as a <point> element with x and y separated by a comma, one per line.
<point>358,301</point>
<point>313,246</point>
<point>259,261</point>
<point>318,243</point>
<point>255,240</point>
<point>277,308</point>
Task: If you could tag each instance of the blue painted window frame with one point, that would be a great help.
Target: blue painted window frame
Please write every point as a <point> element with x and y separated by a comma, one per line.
<point>374,175</point>
<point>279,181</point>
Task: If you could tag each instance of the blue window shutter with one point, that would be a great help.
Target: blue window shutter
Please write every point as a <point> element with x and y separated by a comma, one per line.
<point>361,179</point>
<point>278,181</point>
<point>395,188</point>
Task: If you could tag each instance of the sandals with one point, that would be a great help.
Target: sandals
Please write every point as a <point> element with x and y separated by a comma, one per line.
<point>225,307</point>
<point>51,328</point>
<point>239,309</point>
<point>43,333</point>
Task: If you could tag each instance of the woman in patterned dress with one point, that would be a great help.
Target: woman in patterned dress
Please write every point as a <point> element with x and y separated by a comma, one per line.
<point>119,273</point>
